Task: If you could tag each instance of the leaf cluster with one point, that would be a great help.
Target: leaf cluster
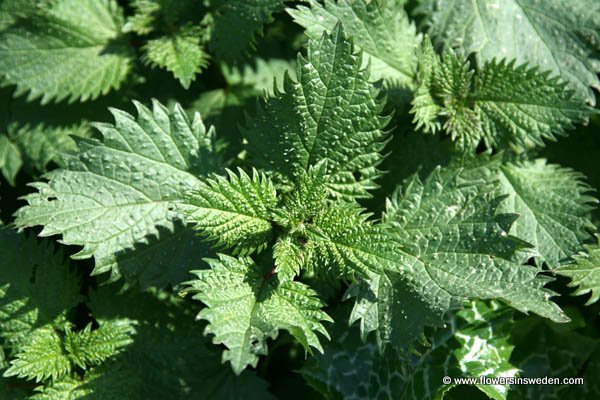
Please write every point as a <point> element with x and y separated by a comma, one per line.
<point>338,199</point>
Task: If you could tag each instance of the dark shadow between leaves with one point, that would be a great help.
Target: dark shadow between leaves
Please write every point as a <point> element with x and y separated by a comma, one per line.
<point>165,260</point>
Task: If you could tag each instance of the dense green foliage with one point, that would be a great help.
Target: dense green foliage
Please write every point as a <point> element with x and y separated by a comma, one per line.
<point>260,199</point>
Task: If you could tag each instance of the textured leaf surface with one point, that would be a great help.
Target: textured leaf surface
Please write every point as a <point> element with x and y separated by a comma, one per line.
<point>381,29</point>
<point>11,10</point>
<point>451,245</point>
<point>37,293</point>
<point>501,104</point>
<point>449,231</point>
<point>36,287</point>
<point>233,213</point>
<point>425,107</point>
<point>561,36</point>
<point>40,145</point>
<point>34,147</point>
<point>180,53</point>
<point>351,369</point>
<point>91,347</point>
<point>38,136</point>
<point>168,350</point>
<point>161,16</point>
<point>41,357</point>
<point>225,108</point>
<point>543,349</point>
<point>118,193</point>
<point>553,203</point>
<point>554,208</point>
<point>386,305</point>
<point>329,239</point>
<point>585,273</point>
<point>289,257</point>
<point>143,20</point>
<point>568,153</point>
<point>235,24</point>
<point>67,388</point>
<point>70,50</point>
<point>308,198</point>
<point>332,112</point>
<point>342,240</point>
<point>484,345</point>
<point>247,306</point>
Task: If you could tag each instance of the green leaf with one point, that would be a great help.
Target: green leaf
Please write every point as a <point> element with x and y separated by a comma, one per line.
<point>162,16</point>
<point>37,292</point>
<point>308,198</point>
<point>181,53</point>
<point>36,286</point>
<point>67,388</point>
<point>89,347</point>
<point>342,240</point>
<point>484,345</point>
<point>535,107</point>
<point>451,245</point>
<point>424,105</point>
<point>119,193</point>
<point>585,273</point>
<point>474,343</point>
<point>167,350</point>
<point>246,305</point>
<point>41,357</point>
<point>332,112</point>
<point>40,135</point>
<point>568,153</point>
<point>381,29</point>
<point>500,104</point>
<point>3,363</point>
<point>236,23</point>
<point>71,50</point>
<point>144,19</point>
<point>554,208</point>
<point>331,239</point>
<point>391,308</point>
<point>448,230</point>
<point>40,145</point>
<point>553,203</point>
<point>560,36</point>
<point>225,108</point>
<point>260,74</point>
<point>233,213</point>
<point>10,159</point>
<point>351,369</point>
<point>11,10</point>
<point>544,349</point>
<point>289,257</point>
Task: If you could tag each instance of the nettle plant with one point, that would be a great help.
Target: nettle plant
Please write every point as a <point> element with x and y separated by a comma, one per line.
<point>382,216</point>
